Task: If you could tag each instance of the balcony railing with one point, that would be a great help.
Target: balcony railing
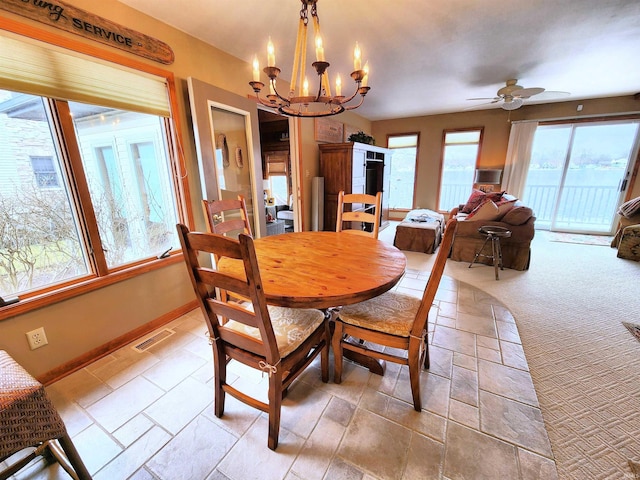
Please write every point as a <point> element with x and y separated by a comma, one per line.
<point>589,207</point>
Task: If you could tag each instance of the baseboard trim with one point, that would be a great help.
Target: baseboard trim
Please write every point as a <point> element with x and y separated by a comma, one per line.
<point>92,355</point>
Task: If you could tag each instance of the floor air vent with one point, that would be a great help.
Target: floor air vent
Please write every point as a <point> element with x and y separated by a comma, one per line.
<point>154,339</point>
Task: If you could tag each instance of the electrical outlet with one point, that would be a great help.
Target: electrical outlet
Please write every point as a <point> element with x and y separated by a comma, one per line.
<point>37,338</point>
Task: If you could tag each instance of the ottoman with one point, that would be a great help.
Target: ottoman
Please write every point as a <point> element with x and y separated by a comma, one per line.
<point>420,231</point>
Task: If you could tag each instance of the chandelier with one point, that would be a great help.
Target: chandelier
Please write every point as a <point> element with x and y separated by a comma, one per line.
<point>301,103</point>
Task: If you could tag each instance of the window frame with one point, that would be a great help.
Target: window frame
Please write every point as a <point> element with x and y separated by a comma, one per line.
<point>442,151</point>
<point>415,168</point>
<point>62,126</point>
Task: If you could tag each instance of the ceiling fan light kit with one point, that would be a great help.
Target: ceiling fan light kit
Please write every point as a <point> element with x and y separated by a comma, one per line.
<point>512,103</point>
<point>303,104</point>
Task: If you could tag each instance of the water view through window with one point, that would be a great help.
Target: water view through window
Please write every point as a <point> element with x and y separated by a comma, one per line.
<point>576,174</point>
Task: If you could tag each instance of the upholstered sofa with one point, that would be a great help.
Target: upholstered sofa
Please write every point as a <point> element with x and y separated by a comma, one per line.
<point>496,209</point>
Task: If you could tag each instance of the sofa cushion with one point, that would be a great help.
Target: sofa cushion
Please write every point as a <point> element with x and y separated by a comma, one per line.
<point>518,215</point>
<point>486,211</point>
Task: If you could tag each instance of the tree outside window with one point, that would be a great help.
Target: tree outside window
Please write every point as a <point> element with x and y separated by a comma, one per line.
<point>43,230</point>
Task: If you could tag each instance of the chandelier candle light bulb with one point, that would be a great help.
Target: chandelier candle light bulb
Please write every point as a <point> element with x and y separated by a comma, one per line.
<point>320,103</point>
<point>271,54</point>
<point>319,49</point>
<point>256,69</point>
<point>305,87</point>
<point>357,58</point>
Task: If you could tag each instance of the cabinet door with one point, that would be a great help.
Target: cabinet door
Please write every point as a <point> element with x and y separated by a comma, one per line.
<point>386,188</point>
<point>359,172</point>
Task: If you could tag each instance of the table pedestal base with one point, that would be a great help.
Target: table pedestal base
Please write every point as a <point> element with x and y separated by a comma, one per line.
<point>374,365</point>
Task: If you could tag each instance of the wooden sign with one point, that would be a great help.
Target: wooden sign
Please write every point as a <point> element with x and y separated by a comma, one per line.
<point>328,131</point>
<point>71,19</point>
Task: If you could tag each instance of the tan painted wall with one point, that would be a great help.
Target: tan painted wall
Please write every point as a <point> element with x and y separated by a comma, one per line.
<point>496,134</point>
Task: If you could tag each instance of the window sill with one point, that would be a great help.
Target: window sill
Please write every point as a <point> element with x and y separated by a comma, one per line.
<point>84,286</point>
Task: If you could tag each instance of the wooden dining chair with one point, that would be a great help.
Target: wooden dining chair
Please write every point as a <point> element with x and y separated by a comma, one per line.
<point>360,208</point>
<point>278,341</point>
<point>394,320</point>
<point>226,216</point>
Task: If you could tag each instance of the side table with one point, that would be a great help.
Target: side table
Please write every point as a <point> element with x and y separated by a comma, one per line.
<point>493,234</point>
<point>29,419</point>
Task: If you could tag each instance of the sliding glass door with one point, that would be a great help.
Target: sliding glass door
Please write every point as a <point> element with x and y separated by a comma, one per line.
<point>578,174</point>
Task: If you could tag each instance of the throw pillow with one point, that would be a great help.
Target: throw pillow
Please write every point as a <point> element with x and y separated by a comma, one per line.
<point>504,206</point>
<point>517,216</point>
<point>495,196</point>
<point>630,208</point>
<point>475,199</point>
<point>487,211</point>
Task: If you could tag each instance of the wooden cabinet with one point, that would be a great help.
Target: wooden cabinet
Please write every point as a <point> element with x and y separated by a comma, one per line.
<point>354,168</point>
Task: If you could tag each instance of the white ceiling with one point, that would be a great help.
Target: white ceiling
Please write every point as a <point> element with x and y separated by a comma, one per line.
<point>430,56</point>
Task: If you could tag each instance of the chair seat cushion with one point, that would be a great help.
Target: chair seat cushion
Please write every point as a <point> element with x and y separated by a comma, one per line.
<point>392,312</point>
<point>291,326</point>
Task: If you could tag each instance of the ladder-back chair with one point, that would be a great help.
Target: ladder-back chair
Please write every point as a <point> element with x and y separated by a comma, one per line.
<point>279,341</point>
<point>227,216</point>
<point>359,208</point>
<point>395,320</point>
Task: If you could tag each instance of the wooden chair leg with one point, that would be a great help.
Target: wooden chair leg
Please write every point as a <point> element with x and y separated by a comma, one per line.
<point>275,406</point>
<point>425,352</point>
<point>336,344</point>
<point>324,355</point>
<point>414,372</point>
<point>219,380</point>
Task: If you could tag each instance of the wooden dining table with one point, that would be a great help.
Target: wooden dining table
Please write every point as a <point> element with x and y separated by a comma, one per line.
<point>323,269</point>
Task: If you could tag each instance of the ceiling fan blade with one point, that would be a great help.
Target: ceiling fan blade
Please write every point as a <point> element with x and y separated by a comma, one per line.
<point>480,105</point>
<point>527,92</point>
<point>552,94</point>
<point>494,99</point>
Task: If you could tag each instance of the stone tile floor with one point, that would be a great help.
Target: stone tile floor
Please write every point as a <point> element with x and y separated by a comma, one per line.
<point>149,415</point>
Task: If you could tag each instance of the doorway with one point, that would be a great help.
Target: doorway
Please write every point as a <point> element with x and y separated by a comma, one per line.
<point>277,171</point>
<point>579,173</point>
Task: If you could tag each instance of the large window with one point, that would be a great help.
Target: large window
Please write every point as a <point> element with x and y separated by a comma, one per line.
<point>403,170</point>
<point>577,174</point>
<point>460,153</point>
<point>87,184</point>
<point>42,219</point>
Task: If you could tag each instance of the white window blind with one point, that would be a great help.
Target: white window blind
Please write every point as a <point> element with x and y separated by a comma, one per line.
<point>37,68</point>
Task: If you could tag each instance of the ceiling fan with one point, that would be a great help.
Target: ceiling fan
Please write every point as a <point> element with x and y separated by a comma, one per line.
<point>512,96</point>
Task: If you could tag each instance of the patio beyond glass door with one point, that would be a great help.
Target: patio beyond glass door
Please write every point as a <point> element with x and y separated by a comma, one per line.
<point>578,175</point>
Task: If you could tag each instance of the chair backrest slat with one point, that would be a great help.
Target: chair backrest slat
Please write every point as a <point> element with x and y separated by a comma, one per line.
<point>437,271</point>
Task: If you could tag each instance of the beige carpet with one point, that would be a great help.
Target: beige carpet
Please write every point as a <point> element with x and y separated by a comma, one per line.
<point>569,308</point>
